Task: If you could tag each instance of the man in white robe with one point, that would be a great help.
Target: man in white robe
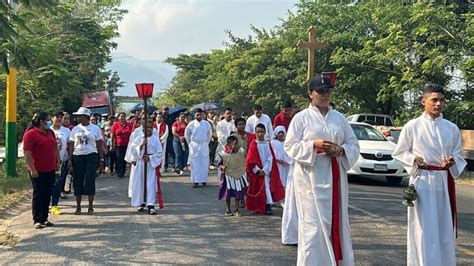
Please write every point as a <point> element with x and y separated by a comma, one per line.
<point>163,132</point>
<point>198,134</point>
<point>430,149</point>
<point>223,130</point>
<point>128,154</point>
<point>259,118</point>
<point>317,138</point>
<point>153,159</point>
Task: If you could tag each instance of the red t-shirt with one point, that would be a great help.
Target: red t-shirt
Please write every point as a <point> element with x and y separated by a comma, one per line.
<point>180,128</point>
<point>43,148</point>
<point>122,133</point>
<point>281,120</point>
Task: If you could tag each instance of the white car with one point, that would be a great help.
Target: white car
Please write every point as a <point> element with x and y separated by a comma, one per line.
<point>375,157</point>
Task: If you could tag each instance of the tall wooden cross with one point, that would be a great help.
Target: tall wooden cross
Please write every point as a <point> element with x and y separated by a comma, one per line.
<point>311,45</point>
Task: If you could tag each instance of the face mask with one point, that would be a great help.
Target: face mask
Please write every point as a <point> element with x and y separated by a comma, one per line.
<point>49,124</point>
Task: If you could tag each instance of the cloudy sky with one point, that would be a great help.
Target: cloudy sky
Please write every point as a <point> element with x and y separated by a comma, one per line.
<point>156,29</point>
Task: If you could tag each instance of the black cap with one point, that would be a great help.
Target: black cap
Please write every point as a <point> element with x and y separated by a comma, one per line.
<point>320,82</point>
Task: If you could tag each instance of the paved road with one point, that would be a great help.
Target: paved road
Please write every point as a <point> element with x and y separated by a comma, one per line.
<point>192,229</point>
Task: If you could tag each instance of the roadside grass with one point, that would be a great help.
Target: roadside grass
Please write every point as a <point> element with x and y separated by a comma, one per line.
<point>13,189</point>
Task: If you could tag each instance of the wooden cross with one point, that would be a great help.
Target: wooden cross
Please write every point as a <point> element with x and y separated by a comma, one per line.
<point>311,45</point>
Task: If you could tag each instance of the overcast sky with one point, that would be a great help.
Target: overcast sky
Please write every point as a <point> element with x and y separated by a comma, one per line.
<point>156,29</point>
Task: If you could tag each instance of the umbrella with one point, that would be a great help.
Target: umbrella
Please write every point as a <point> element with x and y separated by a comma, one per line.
<point>177,109</point>
<point>149,106</point>
<point>207,106</point>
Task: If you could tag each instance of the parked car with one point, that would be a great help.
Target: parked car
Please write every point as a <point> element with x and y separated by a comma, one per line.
<point>375,157</point>
<point>372,119</point>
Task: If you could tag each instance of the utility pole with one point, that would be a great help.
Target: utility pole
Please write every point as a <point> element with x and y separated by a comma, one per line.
<point>11,147</point>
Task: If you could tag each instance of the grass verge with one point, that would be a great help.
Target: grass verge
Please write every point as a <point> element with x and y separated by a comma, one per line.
<point>13,189</point>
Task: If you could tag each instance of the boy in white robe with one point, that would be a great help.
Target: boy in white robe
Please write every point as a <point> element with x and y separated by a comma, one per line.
<point>430,149</point>
<point>128,154</point>
<point>151,160</point>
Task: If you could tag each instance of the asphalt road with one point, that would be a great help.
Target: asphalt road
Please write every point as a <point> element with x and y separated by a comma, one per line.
<point>192,229</point>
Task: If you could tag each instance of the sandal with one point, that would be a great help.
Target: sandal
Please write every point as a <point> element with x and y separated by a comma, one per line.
<point>229,213</point>
<point>90,211</point>
<point>77,212</point>
<point>237,213</point>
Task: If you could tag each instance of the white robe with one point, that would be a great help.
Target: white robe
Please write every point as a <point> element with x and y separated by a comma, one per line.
<point>431,239</point>
<point>264,119</point>
<point>155,155</point>
<point>289,219</point>
<point>163,139</point>
<point>267,159</point>
<point>198,135</point>
<point>280,154</point>
<point>313,184</point>
<point>223,130</point>
<point>129,157</point>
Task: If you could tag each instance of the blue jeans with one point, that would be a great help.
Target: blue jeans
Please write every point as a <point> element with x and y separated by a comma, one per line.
<point>59,184</point>
<point>181,157</point>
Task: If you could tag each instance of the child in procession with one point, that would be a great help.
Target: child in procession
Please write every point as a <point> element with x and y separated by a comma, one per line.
<point>233,179</point>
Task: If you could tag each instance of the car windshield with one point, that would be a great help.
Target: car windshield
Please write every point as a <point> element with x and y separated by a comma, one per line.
<point>364,132</point>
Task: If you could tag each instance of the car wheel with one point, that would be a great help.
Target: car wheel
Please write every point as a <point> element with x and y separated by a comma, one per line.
<point>394,180</point>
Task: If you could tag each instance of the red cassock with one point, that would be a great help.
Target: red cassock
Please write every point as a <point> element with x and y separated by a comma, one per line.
<point>256,196</point>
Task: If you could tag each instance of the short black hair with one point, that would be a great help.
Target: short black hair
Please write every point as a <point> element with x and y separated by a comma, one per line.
<point>59,114</point>
<point>245,114</point>
<point>232,139</point>
<point>228,109</point>
<point>287,104</point>
<point>260,126</point>
<point>432,87</point>
<point>258,107</point>
<point>239,119</point>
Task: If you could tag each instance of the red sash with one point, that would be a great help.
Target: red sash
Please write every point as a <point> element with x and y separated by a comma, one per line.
<point>158,188</point>
<point>452,195</point>
<point>336,208</point>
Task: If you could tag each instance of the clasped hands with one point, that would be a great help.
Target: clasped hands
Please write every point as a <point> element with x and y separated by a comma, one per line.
<point>330,148</point>
<point>445,163</point>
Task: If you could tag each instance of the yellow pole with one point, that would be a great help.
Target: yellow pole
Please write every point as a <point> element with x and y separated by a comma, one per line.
<point>11,148</point>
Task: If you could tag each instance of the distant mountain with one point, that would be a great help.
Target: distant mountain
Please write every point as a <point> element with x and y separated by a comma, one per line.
<point>133,70</point>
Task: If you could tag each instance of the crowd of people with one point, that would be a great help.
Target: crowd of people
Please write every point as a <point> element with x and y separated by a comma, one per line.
<point>298,160</point>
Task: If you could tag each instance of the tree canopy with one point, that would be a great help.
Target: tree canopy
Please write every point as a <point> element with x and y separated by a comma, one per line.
<point>383,52</point>
<point>60,49</point>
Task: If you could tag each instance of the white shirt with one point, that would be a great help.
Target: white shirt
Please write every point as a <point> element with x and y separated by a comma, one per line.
<point>264,119</point>
<point>84,138</point>
<point>223,130</point>
<point>62,137</point>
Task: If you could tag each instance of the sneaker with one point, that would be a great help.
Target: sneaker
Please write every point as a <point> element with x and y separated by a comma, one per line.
<point>181,172</point>
<point>63,196</point>
<point>55,210</point>
<point>38,226</point>
<point>152,211</point>
<point>204,184</point>
<point>141,209</point>
<point>47,223</point>
<point>212,167</point>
